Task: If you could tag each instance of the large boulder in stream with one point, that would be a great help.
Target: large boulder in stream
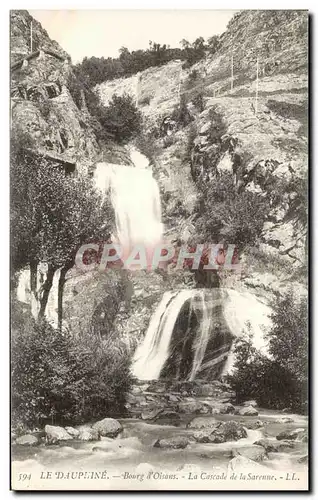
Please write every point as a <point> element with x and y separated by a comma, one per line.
<point>247,411</point>
<point>221,432</point>
<point>202,423</point>
<point>108,427</point>
<point>177,442</point>
<point>86,433</point>
<point>256,453</point>
<point>55,434</point>
<point>27,440</point>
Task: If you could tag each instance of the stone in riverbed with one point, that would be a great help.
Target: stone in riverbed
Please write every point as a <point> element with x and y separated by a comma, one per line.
<point>72,432</point>
<point>255,453</point>
<point>284,420</point>
<point>88,434</point>
<point>290,435</point>
<point>268,444</point>
<point>202,423</point>
<point>285,445</point>
<point>192,407</point>
<point>108,427</point>
<point>221,432</point>
<point>253,424</point>
<point>303,460</point>
<point>168,417</point>
<point>151,414</point>
<point>27,440</point>
<point>55,434</point>
<point>251,402</point>
<point>175,443</point>
<point>247,411</point>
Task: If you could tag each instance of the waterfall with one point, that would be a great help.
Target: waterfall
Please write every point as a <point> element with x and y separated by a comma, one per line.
<point>135,198</point>
<point>222,316</point>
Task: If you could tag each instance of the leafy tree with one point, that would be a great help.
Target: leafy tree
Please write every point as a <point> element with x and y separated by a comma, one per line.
<point>122,118</point>
<point>52,214</point>
<point>62,378</point>
<point>280,380</point>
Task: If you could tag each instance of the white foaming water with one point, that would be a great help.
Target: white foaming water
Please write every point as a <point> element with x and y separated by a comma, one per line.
<point>136,200</point>
<point>239,308</point>
<point>153,352</point>
<point>201,342</point>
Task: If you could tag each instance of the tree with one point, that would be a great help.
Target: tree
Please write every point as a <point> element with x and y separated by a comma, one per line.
<point>122,118</point>
<point>52,214</point>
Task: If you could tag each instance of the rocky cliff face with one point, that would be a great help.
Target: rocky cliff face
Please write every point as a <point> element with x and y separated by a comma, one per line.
<point>261,141</point>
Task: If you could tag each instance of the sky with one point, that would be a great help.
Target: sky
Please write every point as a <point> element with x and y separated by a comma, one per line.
<point>102,32</point>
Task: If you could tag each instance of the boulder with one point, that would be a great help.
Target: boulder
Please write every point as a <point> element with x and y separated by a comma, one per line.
<point>55,434</point>
<point>72,432</point>
<point>226,408</point>
<point>202,423</point>
<point>27,440</point>
<point>229,431</point>
<point>253,424</point>
<point>255,453</point>
<point>151,414</point>
<point>192,407</point>
<point>108,427</point>
<point>289,435</point>
<point>285,445</point>
<point>268,444</point>
<point>247,411</point>
<point>168,417</point>
<point>284,420</point>
<point>303,460</point>
<point>175,443</point>
<point>221,432</point>
<point>251,402</point>
<point>88,434</point>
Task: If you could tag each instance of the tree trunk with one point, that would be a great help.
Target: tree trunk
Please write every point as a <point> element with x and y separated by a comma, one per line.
<point>33,277</point>
<point>60,296</point>
<point>46,290</point>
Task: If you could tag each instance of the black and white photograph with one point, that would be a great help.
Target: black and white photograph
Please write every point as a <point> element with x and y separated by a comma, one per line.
<point>159,250</point>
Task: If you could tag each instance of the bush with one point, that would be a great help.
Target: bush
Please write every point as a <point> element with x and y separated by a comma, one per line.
<point>281,380</point>
<point>121,118</point>
<point>62,378</point>
<point>231,216</point>
<point>181,113</point>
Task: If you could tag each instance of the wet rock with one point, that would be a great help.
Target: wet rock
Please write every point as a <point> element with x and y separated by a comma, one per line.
<point>168,417</point>
<point>177,442</point>
<point>55,434</point>
<point>108,427</point>
<point>151,414</point>
<point>221,432</point>
<point>285,445</point>
<point>255,453</point>
<point>290,435</point>
<point>253,424</point>
<point>303,460</point>
<point>226,408</point>
<point>27,440</point>
<point>247,411</point>
<point>268,444</point>
<point>192,407</point>
<point>72,431</point>
<point>230,431</point>
<point>202,423</point>
<point>88,434</point>
<point>251,402</point>
<point>284,420</point>
<point>172,398</point>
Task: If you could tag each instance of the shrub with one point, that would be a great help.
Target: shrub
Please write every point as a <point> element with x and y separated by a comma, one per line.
<point>121,118</point>
<point>232,216</point>
<point>62,378</point>
<point>181,113</point>
<point>281,380</point>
